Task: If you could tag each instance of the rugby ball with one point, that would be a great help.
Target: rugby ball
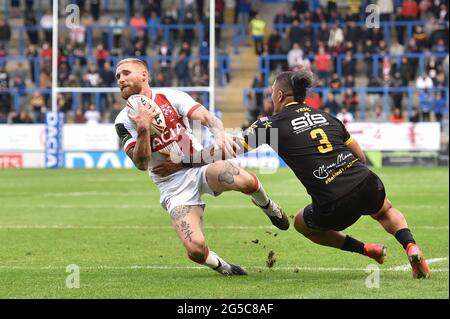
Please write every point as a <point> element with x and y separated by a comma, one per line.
<point>158,123</point>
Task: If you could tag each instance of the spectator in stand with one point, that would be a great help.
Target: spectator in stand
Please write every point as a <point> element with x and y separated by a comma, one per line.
<point>425,102</point>
<point>117,24</point>
<point>322,62</point>
<point>386,8</point>
<point>182,70</point>
<point>307,33</point>
<point>46,52</point>
<point>92,115</point>
<point>369,50</point>
<point>313,100</point>
<point>295,57</point>
<point>410,10</point>
<point>432,68</point>
<point>415,115</point>
<point>396,116</point>
<point>424,82</point>
<point>30,22</point>
<point>349,81</point>
<point>257,30</point>
<point>378,115</point>
<point>353,33</point>
<point>406,74</point>
<point>5,34</point>
<point>295,33</point>
<point>397,96</point>
<point>95,9</point>
<point>420,37</point>
<point>439,105</point>
<point>349,65</point>
<point>344,116</point>
<point>138,22</point>
<point>331,105</point>
<point>386,67</point>
<point>79,116</point>
<point>396,48</point>
<point>244,8</point>
<point>350,100</point>
<point>47,24</point>
<point>335,83</point>
<point>38,106</point>
<point>336,36</point>
<point>24,117</point>
<point>101,54</point>
<point>323,35</point>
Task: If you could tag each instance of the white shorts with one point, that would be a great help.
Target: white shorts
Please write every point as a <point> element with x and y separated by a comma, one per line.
<point>185,188</point>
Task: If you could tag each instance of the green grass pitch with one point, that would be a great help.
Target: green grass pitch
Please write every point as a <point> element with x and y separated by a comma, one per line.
<point>110,224</point>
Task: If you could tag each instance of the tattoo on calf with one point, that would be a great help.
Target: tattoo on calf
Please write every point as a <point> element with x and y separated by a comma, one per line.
<point>185,229</point>
<point>227,174</point>
<point>179,212</point>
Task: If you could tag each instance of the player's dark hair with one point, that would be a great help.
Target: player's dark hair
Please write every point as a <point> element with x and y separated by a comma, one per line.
<point>297,82</point>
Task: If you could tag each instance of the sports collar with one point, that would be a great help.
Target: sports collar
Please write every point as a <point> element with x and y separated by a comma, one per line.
<point>294,103</point>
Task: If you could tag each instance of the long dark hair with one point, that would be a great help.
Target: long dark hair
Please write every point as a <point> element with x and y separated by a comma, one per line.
<point>297,82</point>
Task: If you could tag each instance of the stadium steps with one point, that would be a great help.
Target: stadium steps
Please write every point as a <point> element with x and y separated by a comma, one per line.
<point>229,99</point>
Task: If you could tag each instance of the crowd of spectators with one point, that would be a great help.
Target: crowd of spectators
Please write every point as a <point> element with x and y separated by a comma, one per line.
<point>178,62</point>
<point>341,34</point>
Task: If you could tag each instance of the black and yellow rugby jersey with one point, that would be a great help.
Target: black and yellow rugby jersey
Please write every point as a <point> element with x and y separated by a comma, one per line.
<point>313,144</point>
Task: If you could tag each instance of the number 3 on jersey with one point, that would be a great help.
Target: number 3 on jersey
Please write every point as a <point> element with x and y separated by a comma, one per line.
<point>325,145</point>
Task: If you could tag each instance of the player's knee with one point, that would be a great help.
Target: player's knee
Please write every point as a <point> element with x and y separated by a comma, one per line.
<point>387,205</point>
<point>299,222</point>
<point>248,183</point>
<point>196,251</point>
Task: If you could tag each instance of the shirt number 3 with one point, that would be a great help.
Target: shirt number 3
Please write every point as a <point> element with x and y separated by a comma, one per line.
<point>325,145</point>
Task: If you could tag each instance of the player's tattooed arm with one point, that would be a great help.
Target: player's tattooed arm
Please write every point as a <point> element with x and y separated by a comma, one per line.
<point>140,154</point>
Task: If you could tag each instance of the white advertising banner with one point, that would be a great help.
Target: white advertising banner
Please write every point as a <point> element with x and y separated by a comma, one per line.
<point>103,137</point>
<point>76,137</point>
<point>396,137</point>
<point>22,137</point>
<point>90,137</point>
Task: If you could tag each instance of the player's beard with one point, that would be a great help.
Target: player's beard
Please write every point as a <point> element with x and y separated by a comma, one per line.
<point>131,89</point>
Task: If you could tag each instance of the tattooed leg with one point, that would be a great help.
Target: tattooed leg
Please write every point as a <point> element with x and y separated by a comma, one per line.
<point>226,176</point>
<point>187,223</point>
<point>228,172</point>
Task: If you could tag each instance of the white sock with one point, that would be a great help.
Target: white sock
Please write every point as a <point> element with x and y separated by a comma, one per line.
<point>216,263</point>
<point>260,195</point>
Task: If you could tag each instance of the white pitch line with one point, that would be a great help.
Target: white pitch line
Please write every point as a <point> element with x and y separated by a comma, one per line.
<point>407,266</point>
<point>162,267</point>
<point>167,227</point>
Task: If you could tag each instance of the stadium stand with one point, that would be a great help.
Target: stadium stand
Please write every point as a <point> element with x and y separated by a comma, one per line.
<point>371,72</point>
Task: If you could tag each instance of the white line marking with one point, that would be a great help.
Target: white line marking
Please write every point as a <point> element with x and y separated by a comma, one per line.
<point>255,227</point>
<point>162,267</point>
<point>407,266</point>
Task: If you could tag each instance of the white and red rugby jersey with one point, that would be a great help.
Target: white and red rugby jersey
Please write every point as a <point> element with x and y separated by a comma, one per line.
<point>177,138</point>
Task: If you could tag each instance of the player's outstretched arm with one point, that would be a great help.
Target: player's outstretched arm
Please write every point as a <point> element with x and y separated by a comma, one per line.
<point>223,141</point>
<point>141,153</point>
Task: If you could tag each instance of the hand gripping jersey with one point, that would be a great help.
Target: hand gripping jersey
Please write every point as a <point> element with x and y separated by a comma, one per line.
<point>176,138</point>
<point>313,145</point>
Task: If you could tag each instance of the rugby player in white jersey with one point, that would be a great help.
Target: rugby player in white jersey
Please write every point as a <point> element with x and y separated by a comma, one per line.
<point>181,191</point>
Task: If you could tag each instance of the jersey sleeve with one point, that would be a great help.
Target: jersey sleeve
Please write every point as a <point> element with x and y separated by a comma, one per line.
<point>257,134</point>
<point>181,101</point>
<point>126,132</point>
<point>346,135</point>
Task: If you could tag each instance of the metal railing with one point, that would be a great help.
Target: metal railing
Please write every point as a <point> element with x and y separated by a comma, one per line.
<point>363,93</point>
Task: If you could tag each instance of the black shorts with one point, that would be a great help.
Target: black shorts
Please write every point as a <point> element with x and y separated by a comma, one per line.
<point>365,199</point>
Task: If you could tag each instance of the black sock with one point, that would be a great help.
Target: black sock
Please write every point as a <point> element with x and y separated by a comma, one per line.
<point>404,237</point>
<point>353,245</point>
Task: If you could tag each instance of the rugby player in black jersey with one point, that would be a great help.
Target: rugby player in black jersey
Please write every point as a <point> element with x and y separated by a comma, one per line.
<point>331,166</point>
